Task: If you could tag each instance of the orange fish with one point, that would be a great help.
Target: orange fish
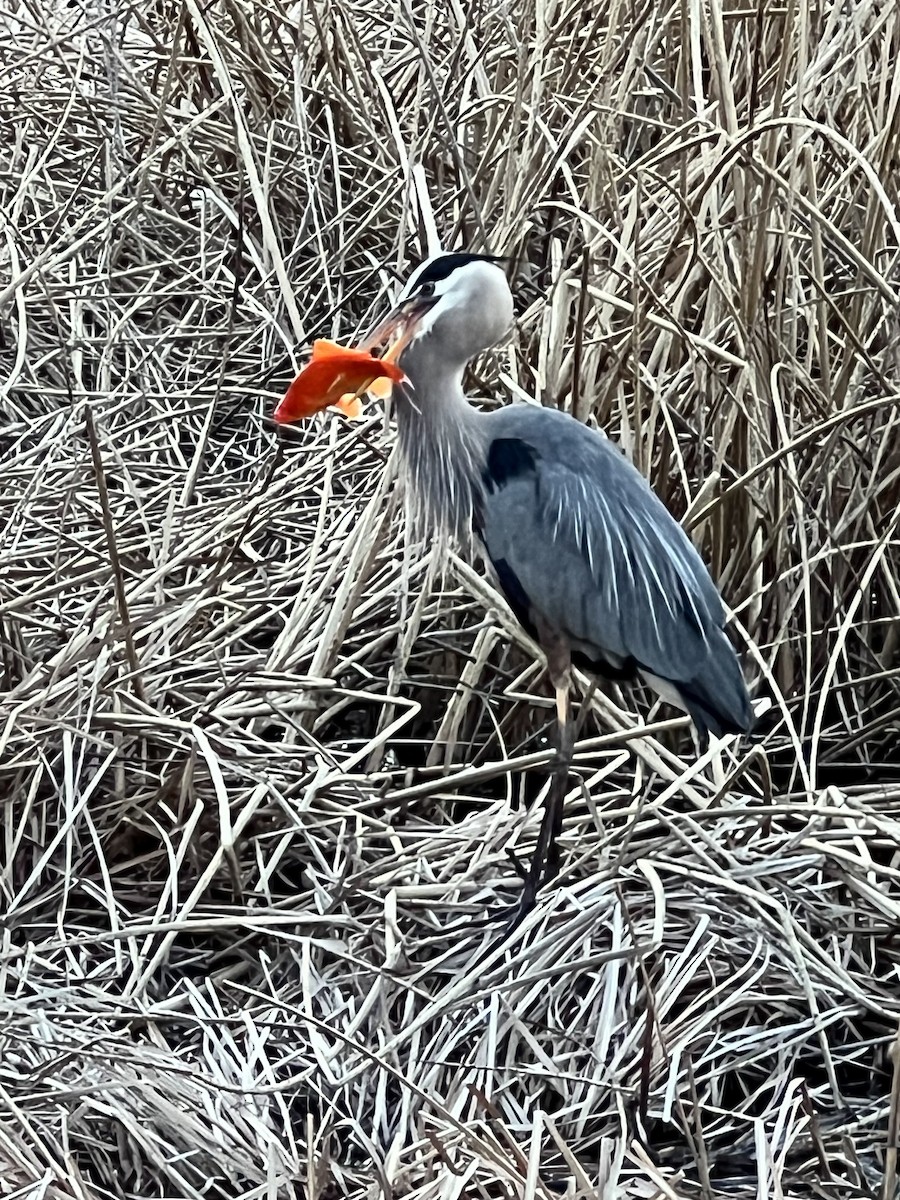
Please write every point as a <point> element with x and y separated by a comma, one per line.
<point>337,376</point>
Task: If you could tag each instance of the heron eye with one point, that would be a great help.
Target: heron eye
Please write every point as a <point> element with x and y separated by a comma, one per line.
<point>427,289</point>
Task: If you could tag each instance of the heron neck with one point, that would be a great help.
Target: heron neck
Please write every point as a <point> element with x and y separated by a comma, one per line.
<point>442,448</point>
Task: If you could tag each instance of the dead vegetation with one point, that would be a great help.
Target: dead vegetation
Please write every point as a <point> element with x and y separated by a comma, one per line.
<point>265,767</point>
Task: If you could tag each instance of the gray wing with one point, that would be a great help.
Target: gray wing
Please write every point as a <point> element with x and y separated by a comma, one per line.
<point>577,535</point>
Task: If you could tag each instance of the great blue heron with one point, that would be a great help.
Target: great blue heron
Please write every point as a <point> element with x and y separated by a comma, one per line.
<point>591,562</point>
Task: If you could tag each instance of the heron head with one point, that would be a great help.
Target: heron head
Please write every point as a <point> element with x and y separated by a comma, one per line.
<point>455,304</point>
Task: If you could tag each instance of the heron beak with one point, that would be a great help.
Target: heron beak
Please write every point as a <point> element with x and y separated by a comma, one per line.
<point>399,327</point>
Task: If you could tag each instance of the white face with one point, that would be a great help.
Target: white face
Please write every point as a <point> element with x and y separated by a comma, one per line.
<point>471,308</point>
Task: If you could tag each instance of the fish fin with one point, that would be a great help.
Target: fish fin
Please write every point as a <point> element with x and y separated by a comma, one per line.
<point>323,348</point>
<point>381,388</point>
<point>350,405</point>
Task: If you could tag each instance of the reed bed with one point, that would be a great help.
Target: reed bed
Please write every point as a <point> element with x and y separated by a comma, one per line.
<point>268,766</point>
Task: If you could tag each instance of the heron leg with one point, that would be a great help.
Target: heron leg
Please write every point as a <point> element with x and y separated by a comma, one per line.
<point>545,861</point>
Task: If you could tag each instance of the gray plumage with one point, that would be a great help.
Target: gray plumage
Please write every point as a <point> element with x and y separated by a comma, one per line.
<point>600,557</point>
<point>581,546</point>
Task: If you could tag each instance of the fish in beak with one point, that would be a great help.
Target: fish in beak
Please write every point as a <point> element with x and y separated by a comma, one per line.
<point>336,376</point>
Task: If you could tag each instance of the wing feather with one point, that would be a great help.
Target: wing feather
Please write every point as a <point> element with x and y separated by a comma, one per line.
<point>595,551</point>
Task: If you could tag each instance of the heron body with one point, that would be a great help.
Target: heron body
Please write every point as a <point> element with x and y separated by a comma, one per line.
<point>581,546</point>
<point>589,559</point>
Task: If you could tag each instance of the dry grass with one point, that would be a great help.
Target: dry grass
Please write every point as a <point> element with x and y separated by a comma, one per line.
<point>263,766</point>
